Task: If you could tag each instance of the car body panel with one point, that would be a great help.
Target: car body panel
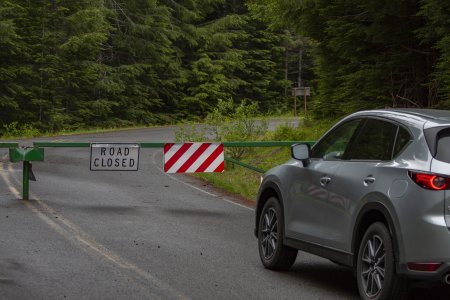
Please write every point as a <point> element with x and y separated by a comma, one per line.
<point>307,198</point>
<point>327,215</point>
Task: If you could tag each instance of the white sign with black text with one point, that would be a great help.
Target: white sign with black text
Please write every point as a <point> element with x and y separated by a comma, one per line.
<point>114,157</point>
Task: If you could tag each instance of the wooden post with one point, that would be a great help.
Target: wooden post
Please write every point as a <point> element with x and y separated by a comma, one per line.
<point>295,105</point>
<point>304,98</point>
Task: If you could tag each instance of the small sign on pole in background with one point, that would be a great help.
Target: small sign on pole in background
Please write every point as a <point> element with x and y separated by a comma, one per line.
<point>193,158</point>
<point>300,91</point>
<point>114,157</point>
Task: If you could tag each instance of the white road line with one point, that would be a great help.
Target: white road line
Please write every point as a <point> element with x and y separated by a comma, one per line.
<point>235,203</point>
<point>194,187</point>
<point>71,232</point>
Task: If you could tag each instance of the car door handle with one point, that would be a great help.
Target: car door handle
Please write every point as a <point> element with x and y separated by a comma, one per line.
<point>369,180</point>
<point>325,180</point>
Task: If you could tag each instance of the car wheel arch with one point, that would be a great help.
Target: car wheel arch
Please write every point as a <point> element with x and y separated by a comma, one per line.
<point>371,212</point>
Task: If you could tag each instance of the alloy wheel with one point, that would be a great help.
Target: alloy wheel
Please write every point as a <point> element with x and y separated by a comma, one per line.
<point>373,266</point>
<point>269,233</point>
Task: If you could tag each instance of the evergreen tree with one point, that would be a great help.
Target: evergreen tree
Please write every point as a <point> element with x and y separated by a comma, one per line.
<point>215,57</point>
<point>367,53</point>
<point>74,64</point>
<point>13,50</point>
<point>237,58</point>
<point>148,63</point>
<point>88,83</point>
<point>436,36</point>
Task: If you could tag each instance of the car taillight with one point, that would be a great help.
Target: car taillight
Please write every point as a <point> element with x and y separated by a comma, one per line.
<point>424,267</point>
<point>430,181</point>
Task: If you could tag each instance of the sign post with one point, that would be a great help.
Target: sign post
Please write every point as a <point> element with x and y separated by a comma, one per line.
<point>300,91</point>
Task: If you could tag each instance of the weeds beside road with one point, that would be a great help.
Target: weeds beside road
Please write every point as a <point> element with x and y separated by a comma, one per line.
<point>228,122</point>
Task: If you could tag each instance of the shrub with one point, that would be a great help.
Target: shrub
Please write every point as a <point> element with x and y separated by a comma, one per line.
<point>227,122</point>
<point>15,129</point>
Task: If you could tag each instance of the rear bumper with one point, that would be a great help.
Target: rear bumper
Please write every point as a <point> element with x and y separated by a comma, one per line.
<point>435,276</point>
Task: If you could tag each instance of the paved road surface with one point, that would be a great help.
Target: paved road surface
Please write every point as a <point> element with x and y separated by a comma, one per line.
<point>141,235</point>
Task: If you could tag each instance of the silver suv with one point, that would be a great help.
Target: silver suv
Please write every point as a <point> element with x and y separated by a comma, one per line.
<point>373,194</point>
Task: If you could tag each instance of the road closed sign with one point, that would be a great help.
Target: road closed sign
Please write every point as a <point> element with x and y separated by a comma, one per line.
<point>114,157</point>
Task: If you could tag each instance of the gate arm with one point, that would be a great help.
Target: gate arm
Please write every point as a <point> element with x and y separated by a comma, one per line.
<point>9,145</point>
<point>265,143</point>
<point>240,163</point>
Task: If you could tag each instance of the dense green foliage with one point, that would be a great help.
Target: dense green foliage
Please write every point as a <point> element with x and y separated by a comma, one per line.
<point>227,122</point>
<point>74,64</point>
<point>109,63</point>
<point>372,53</point>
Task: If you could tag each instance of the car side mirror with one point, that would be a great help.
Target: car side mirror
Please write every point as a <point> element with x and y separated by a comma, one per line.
<point>301,152</point>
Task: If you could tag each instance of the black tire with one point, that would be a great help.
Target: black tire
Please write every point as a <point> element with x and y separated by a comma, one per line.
<point>375,269</point>
<point>273,253</point>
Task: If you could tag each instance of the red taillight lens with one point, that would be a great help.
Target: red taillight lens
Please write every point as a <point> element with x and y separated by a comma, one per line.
<point>430,181</point>
<point>424,267</point>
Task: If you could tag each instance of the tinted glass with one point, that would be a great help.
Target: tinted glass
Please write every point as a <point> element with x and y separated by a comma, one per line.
<point>403,138</point>
<point>443,145</point>
<point>333,146</point>
<point>375,141</point>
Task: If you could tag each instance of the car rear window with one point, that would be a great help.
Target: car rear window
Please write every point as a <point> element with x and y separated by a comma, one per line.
<point>443,145</point>
<point>438,140</point>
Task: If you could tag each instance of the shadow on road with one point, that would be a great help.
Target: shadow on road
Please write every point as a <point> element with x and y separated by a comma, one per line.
<point>194,213</point>
<point>436,293</point>
<point>341,281</point>
<point>328,276</point>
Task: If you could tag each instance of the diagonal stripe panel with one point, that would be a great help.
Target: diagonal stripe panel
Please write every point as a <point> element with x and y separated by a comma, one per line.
<point>179,153</point>
<point>218,152</point>
<point>193,157</point>
<point>220,168</point>
<point>182,160</point>
<point>198,162</point>
<point>214,164</point>
<point>167,147</point>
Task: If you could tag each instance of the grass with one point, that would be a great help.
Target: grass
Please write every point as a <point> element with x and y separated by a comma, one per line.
<point>245,182</point>
<point>34,134</point>
<point>242,181</point>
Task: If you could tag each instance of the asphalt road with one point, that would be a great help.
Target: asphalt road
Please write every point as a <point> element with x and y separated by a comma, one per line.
<point>141,235</point>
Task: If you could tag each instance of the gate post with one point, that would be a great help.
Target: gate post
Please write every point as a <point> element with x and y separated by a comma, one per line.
<point>26,180</point>
<point>26,155</point>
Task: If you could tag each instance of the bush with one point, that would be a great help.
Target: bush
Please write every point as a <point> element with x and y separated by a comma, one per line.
<point>310,130</point>
<point>15,129</point>
<point>227,122</point>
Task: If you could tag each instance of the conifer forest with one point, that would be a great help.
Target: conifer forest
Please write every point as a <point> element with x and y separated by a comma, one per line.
<point>67,64</point>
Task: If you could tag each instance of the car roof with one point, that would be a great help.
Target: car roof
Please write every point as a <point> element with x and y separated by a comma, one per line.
<point>433,117</point>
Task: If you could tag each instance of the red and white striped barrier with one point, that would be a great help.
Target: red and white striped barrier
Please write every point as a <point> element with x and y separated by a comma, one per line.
<point>193,158</point>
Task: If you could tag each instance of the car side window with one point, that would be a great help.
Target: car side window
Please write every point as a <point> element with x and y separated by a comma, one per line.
<point>375,141</point>
<point>333,146</point>
<point>403,138</point>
